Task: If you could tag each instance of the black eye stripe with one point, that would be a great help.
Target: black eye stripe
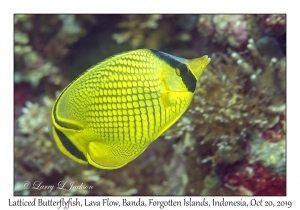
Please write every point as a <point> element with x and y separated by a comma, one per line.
<point>187,77</point>
<point>69,145</point>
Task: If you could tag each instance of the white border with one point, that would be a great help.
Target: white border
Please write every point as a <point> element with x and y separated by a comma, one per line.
<point>216,6</point>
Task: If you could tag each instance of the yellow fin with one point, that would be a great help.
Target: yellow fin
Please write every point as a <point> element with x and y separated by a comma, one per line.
<point>66,146</point>
<point>100,156</point>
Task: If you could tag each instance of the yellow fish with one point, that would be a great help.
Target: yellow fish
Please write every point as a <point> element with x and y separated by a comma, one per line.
<point>112,112</point>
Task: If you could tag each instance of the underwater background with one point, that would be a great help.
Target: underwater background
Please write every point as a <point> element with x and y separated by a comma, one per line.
<point>231,140</point>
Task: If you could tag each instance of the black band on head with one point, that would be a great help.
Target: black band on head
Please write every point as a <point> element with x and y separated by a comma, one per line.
<point>187,77</point>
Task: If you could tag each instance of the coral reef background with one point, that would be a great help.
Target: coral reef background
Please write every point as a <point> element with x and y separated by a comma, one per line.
<point>231,141</point>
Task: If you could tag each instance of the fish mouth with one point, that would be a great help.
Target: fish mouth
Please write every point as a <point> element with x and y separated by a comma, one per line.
<point>198,65</point>
<point>205,60</point>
